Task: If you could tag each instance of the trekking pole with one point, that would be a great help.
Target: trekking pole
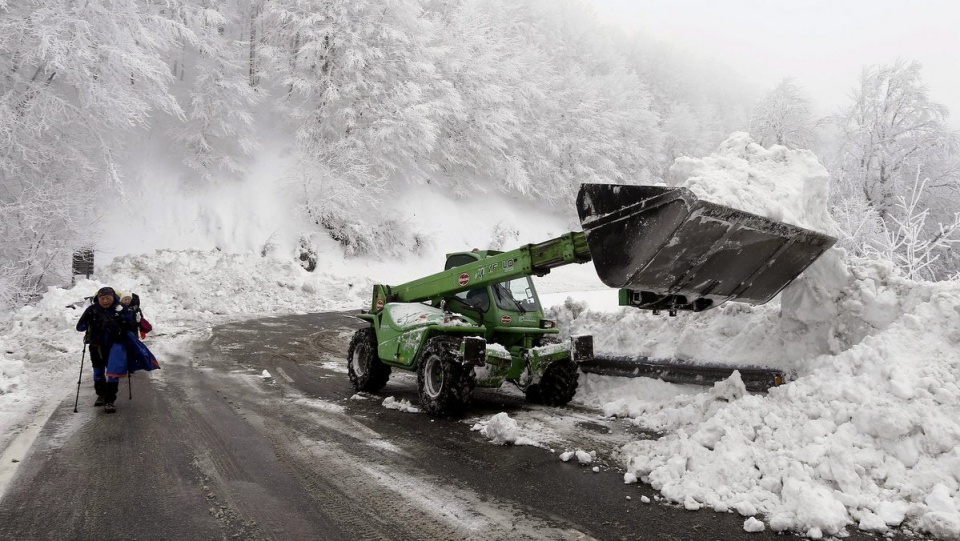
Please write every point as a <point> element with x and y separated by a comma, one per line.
<point>130,384</point>
<point>80,378</point>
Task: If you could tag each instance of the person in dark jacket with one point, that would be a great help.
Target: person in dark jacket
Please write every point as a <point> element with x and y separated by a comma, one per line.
<point>105,322</point>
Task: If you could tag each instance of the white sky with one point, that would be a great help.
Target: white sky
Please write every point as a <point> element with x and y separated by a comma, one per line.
<point>822,44</point>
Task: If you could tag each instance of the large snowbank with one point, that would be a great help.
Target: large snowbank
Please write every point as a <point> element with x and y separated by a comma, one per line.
<point>867,434</point>
<point>865,437</point>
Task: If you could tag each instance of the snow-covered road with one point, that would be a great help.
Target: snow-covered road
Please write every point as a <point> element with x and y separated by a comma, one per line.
<point>253,431</point>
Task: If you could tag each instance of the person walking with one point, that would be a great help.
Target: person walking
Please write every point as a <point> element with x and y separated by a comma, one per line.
<point>105,322</point>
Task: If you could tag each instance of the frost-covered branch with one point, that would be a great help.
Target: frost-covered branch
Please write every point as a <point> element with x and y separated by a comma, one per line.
<point>907,242</point>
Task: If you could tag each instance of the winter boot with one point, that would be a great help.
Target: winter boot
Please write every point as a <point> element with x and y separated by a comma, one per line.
<point>99,401</point>
<point>109,408</point>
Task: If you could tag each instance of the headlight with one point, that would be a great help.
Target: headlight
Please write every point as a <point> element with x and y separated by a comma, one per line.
<point>548,324</point>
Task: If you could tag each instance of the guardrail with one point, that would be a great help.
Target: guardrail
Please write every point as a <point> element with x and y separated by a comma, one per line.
<point>755,378</point>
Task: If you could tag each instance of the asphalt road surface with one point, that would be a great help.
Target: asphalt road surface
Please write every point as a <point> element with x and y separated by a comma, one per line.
<point>211,448</point>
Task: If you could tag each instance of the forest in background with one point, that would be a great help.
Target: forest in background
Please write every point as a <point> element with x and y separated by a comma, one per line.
<point>526,97</point>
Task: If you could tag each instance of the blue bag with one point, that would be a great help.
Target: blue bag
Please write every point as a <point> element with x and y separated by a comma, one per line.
<point>128,356</point>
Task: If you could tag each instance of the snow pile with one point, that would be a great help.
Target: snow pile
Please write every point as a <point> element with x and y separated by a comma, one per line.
<point>827,310</point>
<point>40,353</point>
<point>583,457</point>
<point>12,381</point>
<point>873,297</point>
<point>11,373</point>
<point>218,283</point>
<point>501,429</point>
<point>867,435</point>
<point>753,525</point>
<point>867,438</point>
<point>403,405</point>
<point>789,186</point>
<point>782,184</point>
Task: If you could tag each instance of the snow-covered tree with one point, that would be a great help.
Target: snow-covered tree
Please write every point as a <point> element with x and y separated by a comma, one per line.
<point>858,223</point>
<point>362,86</point>
<point>214,66</point>
<point>464,94</point>
<point>565,109</point>
<point>75,77</point>
<point>893,135</point>
<point>892,130</point>
<point>907,242</point>
<point>491,71</point>
<point>783,117</point>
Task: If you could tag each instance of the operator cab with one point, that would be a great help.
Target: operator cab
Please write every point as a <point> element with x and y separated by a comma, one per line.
<point>517,295</point>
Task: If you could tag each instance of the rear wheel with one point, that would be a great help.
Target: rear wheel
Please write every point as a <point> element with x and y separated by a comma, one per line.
<point>444,382</point>
<point>557,386</point>
<point>366,371</point>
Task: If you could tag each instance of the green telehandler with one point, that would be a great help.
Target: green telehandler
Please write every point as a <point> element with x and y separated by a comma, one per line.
<point>479,322</point>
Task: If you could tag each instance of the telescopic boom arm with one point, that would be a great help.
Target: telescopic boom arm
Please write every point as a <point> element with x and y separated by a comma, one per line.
<point>531,259</point>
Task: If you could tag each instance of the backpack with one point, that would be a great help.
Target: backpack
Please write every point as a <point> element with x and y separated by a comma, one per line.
<point>145,325</point>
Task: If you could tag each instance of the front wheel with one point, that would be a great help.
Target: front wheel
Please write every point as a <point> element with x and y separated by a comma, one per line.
<point>366,371</point>
<point>557,385</point>
<point>445,383</point>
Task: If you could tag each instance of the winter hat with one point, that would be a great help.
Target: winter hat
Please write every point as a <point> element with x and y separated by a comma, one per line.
<point>106,292</point>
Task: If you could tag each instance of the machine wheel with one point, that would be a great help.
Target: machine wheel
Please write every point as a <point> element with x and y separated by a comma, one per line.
<point>557,386</point>
<point>445,384</point>
<point>366,371</point>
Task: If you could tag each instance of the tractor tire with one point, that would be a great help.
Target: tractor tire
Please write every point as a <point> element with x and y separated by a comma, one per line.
<point>557,386</point>
<point>366,371</point>
<point>444,382</point>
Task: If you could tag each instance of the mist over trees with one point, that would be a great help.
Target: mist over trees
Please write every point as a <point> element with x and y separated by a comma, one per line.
<point>528,97</point>
<point>783,117</point>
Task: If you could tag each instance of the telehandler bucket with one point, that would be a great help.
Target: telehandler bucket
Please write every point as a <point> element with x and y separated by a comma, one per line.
<point>670,246</point>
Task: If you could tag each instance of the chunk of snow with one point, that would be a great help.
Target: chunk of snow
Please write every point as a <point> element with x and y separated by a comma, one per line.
<point>753,525</point>
<point>501,429</point>
<point>871,522</point>
<point>403,405</point>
